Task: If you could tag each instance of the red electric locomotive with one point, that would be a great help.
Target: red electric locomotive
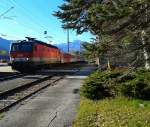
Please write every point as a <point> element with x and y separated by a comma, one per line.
<point>31,54</point>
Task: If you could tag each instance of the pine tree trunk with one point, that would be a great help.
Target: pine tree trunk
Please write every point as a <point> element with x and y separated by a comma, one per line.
<point>145,53</point>
<point>98,61</point>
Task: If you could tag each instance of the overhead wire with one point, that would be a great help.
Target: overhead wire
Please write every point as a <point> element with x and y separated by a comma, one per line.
<point>11,18</point>
<point>43,11</point>
<point>11,36</point>
<point>8,10</point>
<point>5,5</point>
<point>28,13</point>
<point>2,16</point>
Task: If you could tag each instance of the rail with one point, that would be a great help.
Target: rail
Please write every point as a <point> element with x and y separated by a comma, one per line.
<point>14,96</point>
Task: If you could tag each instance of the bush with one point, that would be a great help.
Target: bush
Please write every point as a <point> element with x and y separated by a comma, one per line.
<point>100,85</point>
<point>126,76</point>
<point>135,84</point>
<point>137,87</point>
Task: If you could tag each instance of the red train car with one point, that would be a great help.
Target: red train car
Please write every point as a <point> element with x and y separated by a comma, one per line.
<point>66,58</point>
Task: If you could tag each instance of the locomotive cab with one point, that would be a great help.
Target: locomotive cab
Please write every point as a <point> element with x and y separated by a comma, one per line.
<point>21,54</point>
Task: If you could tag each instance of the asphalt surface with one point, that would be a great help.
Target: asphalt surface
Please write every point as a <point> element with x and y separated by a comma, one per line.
<point>3,64</point>
<point>54,107</point>
<point>6,68</point>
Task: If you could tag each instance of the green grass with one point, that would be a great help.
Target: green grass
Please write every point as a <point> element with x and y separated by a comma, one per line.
<point>119,112</point>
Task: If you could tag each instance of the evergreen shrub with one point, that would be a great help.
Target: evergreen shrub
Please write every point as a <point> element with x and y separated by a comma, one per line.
<point>133,84</point>
<point>137,87</point>
<point>99,85</point>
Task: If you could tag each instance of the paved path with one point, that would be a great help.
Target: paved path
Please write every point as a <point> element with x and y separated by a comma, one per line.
<point>6,69</point>
<point>3,64</point>
<point>54,107</point>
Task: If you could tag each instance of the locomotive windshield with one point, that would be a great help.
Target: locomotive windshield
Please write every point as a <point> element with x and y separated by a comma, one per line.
<point>24,47</point>
<point>15,47</point>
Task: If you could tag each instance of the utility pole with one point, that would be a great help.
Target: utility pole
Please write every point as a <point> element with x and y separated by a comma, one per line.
<point>68,40</point>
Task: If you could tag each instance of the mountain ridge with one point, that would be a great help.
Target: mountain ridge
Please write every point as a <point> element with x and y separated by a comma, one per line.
<point>73,46</point>
<point>4,44</point>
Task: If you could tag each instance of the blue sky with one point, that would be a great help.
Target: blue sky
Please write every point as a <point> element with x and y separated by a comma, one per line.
<point>32,18</point>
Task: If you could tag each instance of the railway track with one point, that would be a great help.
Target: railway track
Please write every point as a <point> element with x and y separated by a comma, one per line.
<point>4,77</point>
<point>11,96</point>
<point>14,96</point>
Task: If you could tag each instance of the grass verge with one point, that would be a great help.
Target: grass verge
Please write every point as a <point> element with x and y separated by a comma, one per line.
<point>118,112</point>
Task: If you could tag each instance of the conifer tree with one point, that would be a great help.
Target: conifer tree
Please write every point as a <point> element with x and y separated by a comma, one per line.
<point>112,21</point>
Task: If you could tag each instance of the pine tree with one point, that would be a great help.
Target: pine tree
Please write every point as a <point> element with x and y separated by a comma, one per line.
<point>112,21</point>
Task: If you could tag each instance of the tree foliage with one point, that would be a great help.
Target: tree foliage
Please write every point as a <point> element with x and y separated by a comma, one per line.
<point>116,23</point>
<point>106,16</point>
<point>3,52</point>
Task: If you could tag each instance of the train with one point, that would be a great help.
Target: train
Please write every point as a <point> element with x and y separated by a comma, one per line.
<point>31,54</point>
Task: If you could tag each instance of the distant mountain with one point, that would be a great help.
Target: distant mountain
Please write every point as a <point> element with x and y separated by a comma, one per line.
<point>4,47</point>
<point>4,44</point>
<point>73,46</point>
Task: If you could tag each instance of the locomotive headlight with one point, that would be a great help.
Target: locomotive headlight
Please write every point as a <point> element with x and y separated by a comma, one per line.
<point>27,59</point>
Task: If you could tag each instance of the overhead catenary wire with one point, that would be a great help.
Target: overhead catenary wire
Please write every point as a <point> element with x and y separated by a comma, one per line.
<point>18,23</point>
<point>4,13</point>
<point>28,14</point>
<point>11,36</point>
<point>11,18</point>
<point>4,4</point>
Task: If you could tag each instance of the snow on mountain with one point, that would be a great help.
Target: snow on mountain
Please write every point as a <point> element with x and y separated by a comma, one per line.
<point>74,46</point>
